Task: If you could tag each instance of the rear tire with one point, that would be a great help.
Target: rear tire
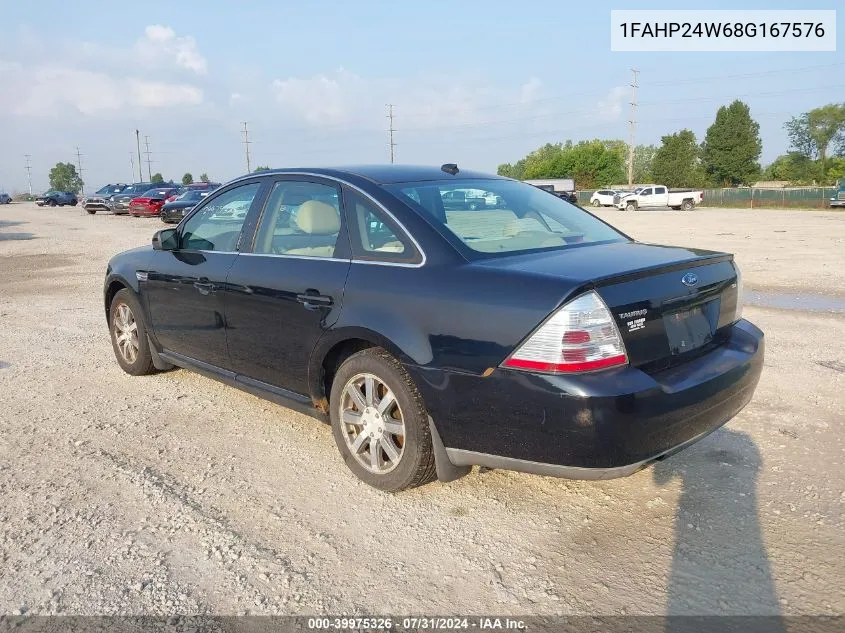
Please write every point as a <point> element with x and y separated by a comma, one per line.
<point>595,203</point>
<point>129,335</point>
<point>687,205</point>
<point>379,422</point>
<point>91,211</point>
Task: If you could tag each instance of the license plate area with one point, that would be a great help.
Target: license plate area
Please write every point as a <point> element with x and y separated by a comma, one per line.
<point>690,329</point>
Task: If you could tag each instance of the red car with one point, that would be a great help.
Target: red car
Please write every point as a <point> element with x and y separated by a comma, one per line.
<point>150,203</point>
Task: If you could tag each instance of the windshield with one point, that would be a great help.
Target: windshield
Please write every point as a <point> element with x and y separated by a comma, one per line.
<point>109,189</point>
<point>503,216</point>
<point>193,194</point>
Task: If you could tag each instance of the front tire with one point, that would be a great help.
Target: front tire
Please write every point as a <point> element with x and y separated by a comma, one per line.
<point>52,203</point>
<point>595,203</point>
<point>129,335</point>
<point>631,206</point>
<point>91,211</point>
<point>379,422</point>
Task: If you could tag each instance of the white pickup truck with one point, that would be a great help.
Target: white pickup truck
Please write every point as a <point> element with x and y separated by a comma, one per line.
<point>658,196</point>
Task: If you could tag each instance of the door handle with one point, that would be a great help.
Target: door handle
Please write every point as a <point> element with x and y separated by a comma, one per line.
<point>313,300</point>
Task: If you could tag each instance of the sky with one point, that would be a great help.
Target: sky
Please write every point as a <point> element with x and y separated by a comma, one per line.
<point>472,82</point>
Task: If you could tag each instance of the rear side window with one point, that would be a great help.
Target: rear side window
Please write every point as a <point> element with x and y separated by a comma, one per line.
<point>375,236</point>
<point>300,219</point>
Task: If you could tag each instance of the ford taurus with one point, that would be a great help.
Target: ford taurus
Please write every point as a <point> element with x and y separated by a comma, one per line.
<point>526,335</point>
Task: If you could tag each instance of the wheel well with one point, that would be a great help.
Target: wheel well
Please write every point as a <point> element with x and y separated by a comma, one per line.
<point>332,361</point>
<point>113,289</point>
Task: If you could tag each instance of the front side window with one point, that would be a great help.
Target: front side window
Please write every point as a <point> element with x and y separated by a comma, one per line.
<point>217,226</point>
<point>513,217</point>
<point>301,219</point>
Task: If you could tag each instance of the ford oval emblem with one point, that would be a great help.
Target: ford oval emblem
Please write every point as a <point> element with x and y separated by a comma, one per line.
<point>690,279</point>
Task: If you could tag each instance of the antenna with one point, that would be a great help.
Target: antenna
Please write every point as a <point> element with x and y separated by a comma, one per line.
<point>246,142</point>
<point>79,166</point>
<point>29,172</point>
<point>149,168</point>
<point>632,126</point>
<point>391,130</point>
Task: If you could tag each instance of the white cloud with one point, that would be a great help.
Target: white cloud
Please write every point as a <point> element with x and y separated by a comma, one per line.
<point>321,99</point>
<point>160,44</point>
<point>50,90</point>
<point>530,89</point>
<point>610,108</point>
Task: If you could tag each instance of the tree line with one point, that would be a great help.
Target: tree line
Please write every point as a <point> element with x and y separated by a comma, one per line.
<point>728,156</point>
<point>64,177</point>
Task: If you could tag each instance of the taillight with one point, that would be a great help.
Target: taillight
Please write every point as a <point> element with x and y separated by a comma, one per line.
<point>580,336</point>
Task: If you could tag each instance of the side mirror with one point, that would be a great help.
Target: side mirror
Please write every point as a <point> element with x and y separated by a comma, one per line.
<point>165,240</point>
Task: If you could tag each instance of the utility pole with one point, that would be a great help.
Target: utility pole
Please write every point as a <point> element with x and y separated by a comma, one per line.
<point>132,165</point>
<point>245,133</point>
<point>149,169</point>
<point>79,166</point>
<point>138,143</point>
<point>632,126</point>
<point>29,172</point>
<point>391,130</point>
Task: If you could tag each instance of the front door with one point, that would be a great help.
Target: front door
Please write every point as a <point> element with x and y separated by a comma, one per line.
<point>185,286</point>
<point>288,290</point>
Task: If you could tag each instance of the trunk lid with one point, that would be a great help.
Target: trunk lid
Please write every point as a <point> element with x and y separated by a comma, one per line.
<point>669,303</point>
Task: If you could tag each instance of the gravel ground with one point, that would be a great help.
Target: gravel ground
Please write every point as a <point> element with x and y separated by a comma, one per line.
<point>176,494</point>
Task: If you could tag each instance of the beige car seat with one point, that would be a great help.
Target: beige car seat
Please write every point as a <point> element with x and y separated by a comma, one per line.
<point>316,218</point>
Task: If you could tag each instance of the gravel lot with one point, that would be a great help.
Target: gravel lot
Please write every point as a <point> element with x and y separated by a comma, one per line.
<point>175,494</point>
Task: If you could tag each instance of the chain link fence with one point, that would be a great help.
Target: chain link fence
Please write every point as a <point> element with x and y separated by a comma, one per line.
<point>751,198</point>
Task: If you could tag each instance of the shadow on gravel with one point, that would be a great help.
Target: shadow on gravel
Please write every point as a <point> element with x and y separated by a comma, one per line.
<point>13,236</point>
<point>3,365</point>
<point>720,564</point>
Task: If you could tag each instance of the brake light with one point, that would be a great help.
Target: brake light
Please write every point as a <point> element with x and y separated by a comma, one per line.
<point>580,336</point>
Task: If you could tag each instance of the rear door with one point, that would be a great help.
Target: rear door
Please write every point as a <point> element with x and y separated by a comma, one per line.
<point>287,288</point>
<point>660,198</point>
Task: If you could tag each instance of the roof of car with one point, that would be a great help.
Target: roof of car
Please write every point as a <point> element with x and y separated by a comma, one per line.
<point>383,174</point>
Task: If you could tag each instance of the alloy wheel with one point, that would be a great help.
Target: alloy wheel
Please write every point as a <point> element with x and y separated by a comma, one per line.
<point>373,425</point>
<point>126,333</point>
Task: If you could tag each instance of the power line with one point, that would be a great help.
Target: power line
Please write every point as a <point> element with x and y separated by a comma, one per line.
<point>149,162</point>
<point>29,172</point>
<point>632,125</point>
<point>246,142</point>
<point>138,143</point>
<point>391,130</point>
<point>79,166</point>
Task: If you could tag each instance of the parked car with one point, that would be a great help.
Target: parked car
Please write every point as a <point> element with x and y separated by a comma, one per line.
<point>194,186</point>
<point>174,210</point>
<point>150,202</point>
<point>535,337</point>
<point>659,196</point>
<point>53,198</point>
<point>100,200</point>
<point>459,199</point>
<point>603,198</point>
<point>838,198</point>
<point>5,198</point>
<point>120,201</point>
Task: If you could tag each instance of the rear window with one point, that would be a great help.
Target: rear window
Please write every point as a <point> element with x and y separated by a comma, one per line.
<point>503,216</point>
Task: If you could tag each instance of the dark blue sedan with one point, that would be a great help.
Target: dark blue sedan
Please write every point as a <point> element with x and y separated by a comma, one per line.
<point>523,334</point>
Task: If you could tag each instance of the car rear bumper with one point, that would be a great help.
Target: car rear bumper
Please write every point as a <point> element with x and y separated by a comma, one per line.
<point>591,426</point>
<point>837,203</point>
<point>145,212</point>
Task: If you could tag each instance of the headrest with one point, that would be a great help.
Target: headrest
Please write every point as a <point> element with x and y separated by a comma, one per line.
<point>317,218</point>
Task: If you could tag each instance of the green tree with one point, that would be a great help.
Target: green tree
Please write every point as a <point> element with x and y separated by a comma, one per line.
<point>187,179</point>
<point>204,177</point>
<point>63,177</point>
<point>590,163</point>
<point>643,159</point>
<point>794,167</point>
<point>732,146</point>
<point>800,140</point>
<point>826,124</point>
<point>157,177</point>
<point>262,168</point>
<point>676,162</point>
<point>517,170</point>
<point>836,169</point>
